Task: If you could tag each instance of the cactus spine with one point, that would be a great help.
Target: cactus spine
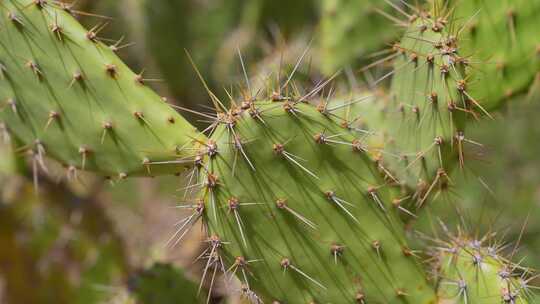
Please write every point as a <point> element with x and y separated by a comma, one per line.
<point>66,94</point>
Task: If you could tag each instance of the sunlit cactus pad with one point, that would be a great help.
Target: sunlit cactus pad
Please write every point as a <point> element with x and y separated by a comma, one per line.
<point>65,93</point>
<point>296,209</point>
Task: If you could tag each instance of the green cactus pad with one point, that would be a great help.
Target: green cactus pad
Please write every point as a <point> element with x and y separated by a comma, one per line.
<point>295,208</point>
<point>66,94</point>
<point>430,104</point>
<point>468,271</point>
<point>504,38</point>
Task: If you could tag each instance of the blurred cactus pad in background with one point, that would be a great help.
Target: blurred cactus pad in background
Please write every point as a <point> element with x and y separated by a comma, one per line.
<point>269,151</point>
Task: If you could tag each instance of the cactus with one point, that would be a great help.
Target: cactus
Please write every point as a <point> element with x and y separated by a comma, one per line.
<point>279,199</point>
<point>501,189</point>
<point>430,102</point>
<point>472,271</point>
<point>292,204</point>
<point>505,66</point>
<point>64,93</point>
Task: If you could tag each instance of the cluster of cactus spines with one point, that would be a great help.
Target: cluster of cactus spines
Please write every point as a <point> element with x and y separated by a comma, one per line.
<point>292,204</point>
<point>430,104</point>
<point>473,270</point>
<point>507,65</point>
<point>276,209</point>
<point>66,94</point>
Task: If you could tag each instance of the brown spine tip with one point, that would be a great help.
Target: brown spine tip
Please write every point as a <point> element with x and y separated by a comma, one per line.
<point>212,180</point>
<point>278,148</point>
<point>77,76</point>
<point>336,249</point>
<point>40,3</point>
<point>430,59</point>
<point>451,106</point>
<point>445,69</point>
<point>360,298</point>
<point>211,148</point>
<point>198,161</point>
<point>111,70</point>
<point>433,97</point>
<point>15,18</point>
<point>53,115</point>
<point>461,85</point>
<point>139,79</point>
<point>199,208</point>
<point>406,251</point>
<point>84,150</point>
<point>357,146</point>
<point>107,125</point>
<point>289,107</point>
<point>233,203</point>
<point>138,115</point>
<point>240,261</point>
<point>32,65</point>
<point>330,194</point>
<point>285,263</point>
<point>319,138</point>
<point>321,107</point>
<point>215,241</point>
<point>92,36</point>
<point>12,103</point>
<point>281,203</point>
<point>171,120</point>
<point>57,30</point>
<point>400,292</point>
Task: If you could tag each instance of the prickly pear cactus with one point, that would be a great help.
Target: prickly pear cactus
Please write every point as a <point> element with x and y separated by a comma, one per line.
<point>430,103</point>
<point>470,271</point>
<point>295,208</point>
<point>503,36</point>
<point>64,93</point>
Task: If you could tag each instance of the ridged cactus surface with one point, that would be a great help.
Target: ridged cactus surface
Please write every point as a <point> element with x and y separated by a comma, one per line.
<point>473,271</point>
<point>296,208</point>
<point>430,102</point>
<point>503,38</point>
<point>66,94</point>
